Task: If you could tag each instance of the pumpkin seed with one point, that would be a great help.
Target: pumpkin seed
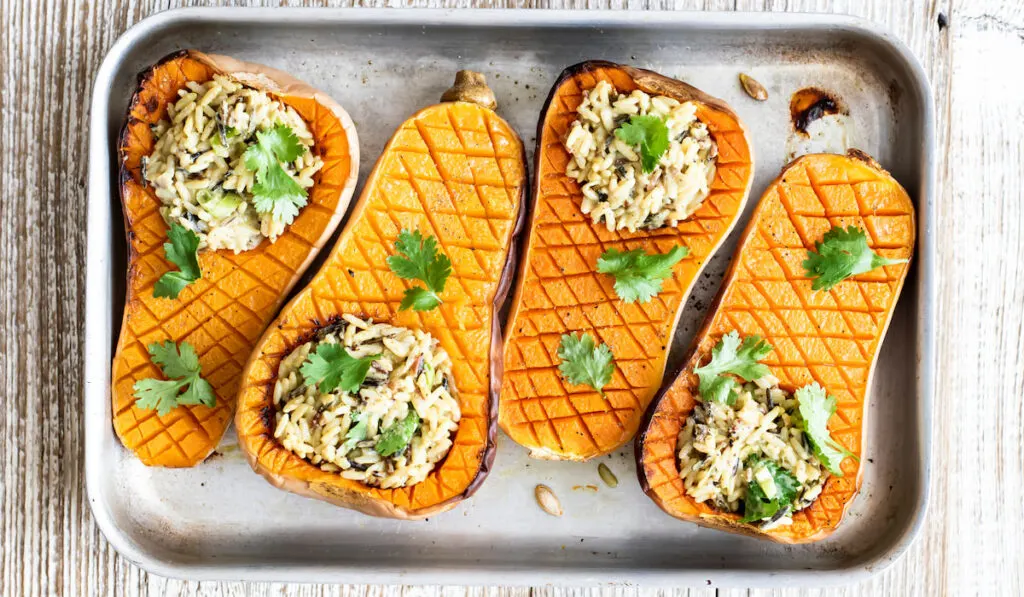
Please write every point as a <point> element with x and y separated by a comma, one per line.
<point>547,500</point>
<point>753,88</point>
<point>607,475</point>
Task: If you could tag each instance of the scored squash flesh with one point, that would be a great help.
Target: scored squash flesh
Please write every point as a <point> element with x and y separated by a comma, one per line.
<point>560,292</point>
<point>455,171</point>
<point>831,337</point>
<point>223,314</point>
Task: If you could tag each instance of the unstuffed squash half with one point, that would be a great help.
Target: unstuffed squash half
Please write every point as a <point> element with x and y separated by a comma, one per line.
<point>376,388</point>
<point>799,428</point>
<point>561,293</point>
<point>243,277</point>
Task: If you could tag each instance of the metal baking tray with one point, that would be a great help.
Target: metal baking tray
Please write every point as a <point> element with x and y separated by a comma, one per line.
<point>222,521</point>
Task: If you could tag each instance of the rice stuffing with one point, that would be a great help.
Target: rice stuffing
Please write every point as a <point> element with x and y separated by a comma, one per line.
<point>616,190</point>
<point>723,448</point>
<point>198,170</point>
<point>410,383</point>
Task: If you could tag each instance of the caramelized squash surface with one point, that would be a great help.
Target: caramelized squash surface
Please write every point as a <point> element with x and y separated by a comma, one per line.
<point>223,314</point>
<point>831,337</point>
<point>455,171</point>
<point>560,292</point>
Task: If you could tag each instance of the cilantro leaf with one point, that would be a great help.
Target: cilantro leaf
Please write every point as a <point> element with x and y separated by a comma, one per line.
<point>198,392</point>
<point>275,191</point>
<point>638,275</point>
<point>757,505</point>
<point>170,285</point>
<point>648,132</point>
<point>584,362</point>
<point>840,255</point>
<point>419,259</point>
<point>333,367</point>
<point>174,361</point>
<point>816,407</point>
<point>282,142</point>
<point>258,158</point>
<point>278,144</point>
<point>398,435</point>
<point>420,299</point>
<point>729,356</point>
<point>183,252</point>
<point>157,394</point>
<point>718,388</point>
<point>181,367</point>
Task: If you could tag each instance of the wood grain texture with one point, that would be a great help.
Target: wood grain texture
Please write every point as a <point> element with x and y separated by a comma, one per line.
<point>972,545</point>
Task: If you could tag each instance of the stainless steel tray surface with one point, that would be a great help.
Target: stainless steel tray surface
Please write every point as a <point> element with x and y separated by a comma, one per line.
<point>221,520</point>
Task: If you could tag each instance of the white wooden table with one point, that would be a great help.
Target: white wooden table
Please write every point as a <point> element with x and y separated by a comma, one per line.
<point>974,540</point>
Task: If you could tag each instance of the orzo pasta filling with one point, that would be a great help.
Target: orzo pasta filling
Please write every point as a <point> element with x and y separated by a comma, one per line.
<point>726,449</point>
<point>617,188</point>
<point>198,167</point>
<point>391,428</point>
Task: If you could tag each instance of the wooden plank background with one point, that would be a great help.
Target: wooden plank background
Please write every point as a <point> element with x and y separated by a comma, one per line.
<point>973,541</point>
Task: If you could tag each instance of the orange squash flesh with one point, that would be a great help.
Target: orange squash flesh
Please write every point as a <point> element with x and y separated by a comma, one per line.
<point>831,337</point>
<point>559,290</point>
<point>456,171</point>
<point>223,314</point>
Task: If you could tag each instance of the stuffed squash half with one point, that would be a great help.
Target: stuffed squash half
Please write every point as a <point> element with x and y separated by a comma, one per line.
<point>376,388</point>
<point>233,175</point>
<point>762,431</point>
<point>639,178</point>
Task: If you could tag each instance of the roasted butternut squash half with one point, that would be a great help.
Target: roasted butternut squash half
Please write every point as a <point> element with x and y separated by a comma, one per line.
<point>376,388</point>
<point>243,277</point>
<point>596,199</point>
<point>810,293</point>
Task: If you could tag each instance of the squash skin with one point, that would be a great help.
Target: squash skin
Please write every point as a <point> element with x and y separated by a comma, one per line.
<point>539,410</point>
<point>882,208</point>
<point>341,286</point>
<point>224,313</point>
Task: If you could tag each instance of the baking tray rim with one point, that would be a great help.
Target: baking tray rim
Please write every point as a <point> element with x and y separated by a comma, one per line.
<point>99,296</point>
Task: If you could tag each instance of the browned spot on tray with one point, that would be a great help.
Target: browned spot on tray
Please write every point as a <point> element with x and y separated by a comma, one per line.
<point>810,104</point>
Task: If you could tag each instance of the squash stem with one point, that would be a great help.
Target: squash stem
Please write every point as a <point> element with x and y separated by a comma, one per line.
<point>472,87</point>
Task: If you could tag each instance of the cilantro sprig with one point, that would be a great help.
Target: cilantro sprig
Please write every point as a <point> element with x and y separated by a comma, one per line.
<point>419,259</point>
<point>729,356</point>
<point>842,253</point>
<point>758,505</point>
<point>639,275</point>
<point>182,250</point>
<point>816,407</point>
<point>275,191</point>
<point>584,362</point>
<point>332,367</point>
<point>649,133</point>
<point>180,365</point>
